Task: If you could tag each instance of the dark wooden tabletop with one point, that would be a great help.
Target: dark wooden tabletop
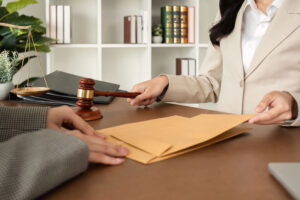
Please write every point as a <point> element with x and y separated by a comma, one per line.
<point>232,169</point>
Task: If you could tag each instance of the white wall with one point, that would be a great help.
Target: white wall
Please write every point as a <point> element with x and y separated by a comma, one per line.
<point>37,10</point>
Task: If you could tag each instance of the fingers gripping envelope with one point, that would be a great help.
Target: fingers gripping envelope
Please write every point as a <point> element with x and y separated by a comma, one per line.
<point>159,139</point>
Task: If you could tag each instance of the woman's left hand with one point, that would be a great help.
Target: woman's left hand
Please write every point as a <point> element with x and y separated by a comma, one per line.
<point>281,107</point>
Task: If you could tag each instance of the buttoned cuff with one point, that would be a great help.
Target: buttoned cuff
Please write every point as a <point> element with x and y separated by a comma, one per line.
<point>162,95</point>
<point>171,90</point>
<point>295,122</point>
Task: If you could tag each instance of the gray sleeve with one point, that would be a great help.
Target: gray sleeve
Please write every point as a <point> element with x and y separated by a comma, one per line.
<point>17,120</point>
<point>36,162</point>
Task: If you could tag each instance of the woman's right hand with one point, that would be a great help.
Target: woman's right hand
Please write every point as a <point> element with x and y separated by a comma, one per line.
<point>149,90</point>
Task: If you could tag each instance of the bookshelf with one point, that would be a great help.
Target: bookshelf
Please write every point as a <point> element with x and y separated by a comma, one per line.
<point>97,50</point>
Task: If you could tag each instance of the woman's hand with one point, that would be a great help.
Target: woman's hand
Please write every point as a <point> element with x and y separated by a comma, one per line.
<point>149,90</point>
<point>63,118</point>
<point>100,150</point>
<point>282,106</point>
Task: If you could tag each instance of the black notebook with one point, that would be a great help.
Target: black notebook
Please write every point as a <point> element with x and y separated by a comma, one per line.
<point>63,90</point>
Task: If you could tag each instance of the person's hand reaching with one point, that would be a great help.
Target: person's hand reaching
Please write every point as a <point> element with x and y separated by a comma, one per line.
<point>149,90</point>
<point>281,107</point>
<point>64,119</point>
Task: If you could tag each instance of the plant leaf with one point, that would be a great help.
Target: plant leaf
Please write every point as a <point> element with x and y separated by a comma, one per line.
<point>24,83</point>
<point>9,42</point>
<point>3,11</point>
<point>24,20</point>
<point>19,63</point>
<point>15,39</point>
<point>17,5</point>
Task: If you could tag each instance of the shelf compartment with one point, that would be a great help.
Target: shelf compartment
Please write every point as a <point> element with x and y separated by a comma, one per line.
<point>113,12</point>
<point>164,59</point>
<point>83,20</point>
<point>78,61</point>
<point>125,67</point>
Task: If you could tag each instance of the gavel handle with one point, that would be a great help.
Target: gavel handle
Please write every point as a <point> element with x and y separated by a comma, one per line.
<point>117,94</point>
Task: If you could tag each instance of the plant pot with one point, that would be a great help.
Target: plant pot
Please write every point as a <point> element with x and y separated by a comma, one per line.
<point>157,39</point>
<point>5,88</point>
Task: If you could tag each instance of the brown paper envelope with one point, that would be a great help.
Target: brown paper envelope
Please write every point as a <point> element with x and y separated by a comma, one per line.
<point>149,136</point>
<point>146,144</point>
<point>205,127</point>
<point>140,127</point>
<point>176,132</point>
<point>228,134</point>
<point>134,153</point>
<point>146,158</point>
<point>179,131</point>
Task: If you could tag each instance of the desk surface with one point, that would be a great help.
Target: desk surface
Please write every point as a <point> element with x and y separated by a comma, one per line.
<point>232,169</point>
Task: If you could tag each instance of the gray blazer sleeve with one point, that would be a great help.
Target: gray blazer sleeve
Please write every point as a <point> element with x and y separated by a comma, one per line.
<point>18,120</point>
<point>32,163</point>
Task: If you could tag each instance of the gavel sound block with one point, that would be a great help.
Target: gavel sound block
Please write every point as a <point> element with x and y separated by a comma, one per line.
<point>85,95</point>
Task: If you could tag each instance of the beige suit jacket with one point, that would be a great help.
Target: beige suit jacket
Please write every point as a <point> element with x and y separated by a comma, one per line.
<point>275,66</point>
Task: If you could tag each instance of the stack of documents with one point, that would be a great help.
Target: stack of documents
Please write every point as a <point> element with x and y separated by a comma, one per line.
<point>160,139</point>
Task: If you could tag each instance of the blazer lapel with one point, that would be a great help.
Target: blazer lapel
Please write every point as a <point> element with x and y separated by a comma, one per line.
<point>235,43</point>
<point>284,23</point>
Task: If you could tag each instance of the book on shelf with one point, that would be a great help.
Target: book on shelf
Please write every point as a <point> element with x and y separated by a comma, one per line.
<point>178,24</point>
<point>167,24</point>
<point>130,29</point>
<point>192,67</point>
<point>60,23</point>
<point>186,66</point>
<point>127,22</point>
<point>191,24</point>
<point>135,29</point>
<point>183,24</point>
<point>139,34</point>
<point>67,24</point>
<point>144,25</point>
<point>52,22</point>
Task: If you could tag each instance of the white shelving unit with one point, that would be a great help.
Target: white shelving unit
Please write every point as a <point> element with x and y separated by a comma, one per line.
<point>97,50</point>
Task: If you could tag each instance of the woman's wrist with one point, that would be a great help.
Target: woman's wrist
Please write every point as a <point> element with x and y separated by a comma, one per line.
<point>294,108</point>
<point>164,80</point>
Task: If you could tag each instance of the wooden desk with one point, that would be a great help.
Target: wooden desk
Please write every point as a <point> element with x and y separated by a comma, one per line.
<point>233,169</point>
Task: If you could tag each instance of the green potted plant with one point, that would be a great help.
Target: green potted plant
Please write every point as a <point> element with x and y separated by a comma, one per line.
<point>15,39</point>
<point>157,33</point>
<point>8,67</point>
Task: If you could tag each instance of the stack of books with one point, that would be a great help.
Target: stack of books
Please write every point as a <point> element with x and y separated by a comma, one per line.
<point>178,24</point>
<point>135,29</point>
<point>60,23</point>
<point>186,66</point>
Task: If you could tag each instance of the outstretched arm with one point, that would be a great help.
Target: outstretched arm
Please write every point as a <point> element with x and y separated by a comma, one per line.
<point>34,163</point>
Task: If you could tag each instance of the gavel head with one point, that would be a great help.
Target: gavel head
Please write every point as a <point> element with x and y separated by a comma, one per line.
<point>85,93</point>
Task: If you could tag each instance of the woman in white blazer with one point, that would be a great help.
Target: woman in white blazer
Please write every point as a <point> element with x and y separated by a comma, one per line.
<point>252,64</point>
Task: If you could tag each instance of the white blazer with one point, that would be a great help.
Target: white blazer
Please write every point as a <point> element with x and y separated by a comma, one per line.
<point>275,66</point>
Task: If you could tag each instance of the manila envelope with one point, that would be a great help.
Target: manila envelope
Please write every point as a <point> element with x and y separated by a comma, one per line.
<point>159,139</point>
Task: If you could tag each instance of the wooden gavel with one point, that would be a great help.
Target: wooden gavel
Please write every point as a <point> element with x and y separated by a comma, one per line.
<point>85,95</point>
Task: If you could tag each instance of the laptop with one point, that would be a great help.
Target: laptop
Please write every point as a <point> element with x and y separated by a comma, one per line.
<point>288,175</point>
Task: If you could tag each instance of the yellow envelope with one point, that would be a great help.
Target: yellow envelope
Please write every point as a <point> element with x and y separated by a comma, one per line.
<point>159,139</point>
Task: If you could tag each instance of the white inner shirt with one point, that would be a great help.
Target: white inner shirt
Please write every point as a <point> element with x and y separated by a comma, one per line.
<point>255,25</point>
